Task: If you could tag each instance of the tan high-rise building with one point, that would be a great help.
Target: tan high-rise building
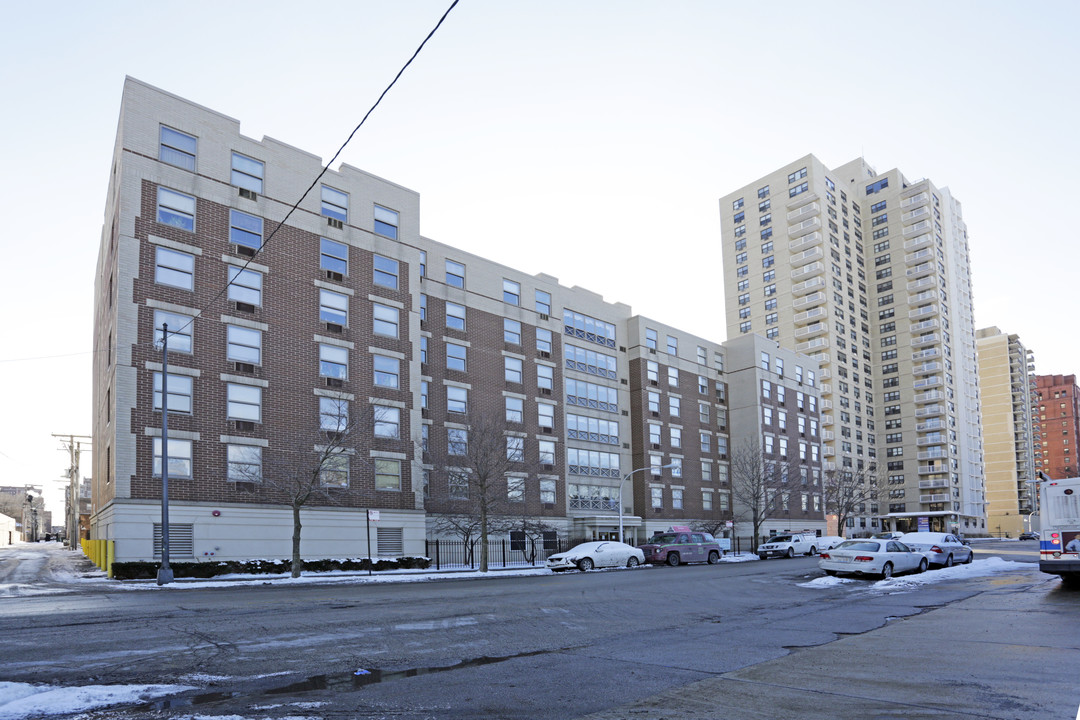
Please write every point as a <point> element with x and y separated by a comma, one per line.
<point>869,274</point>
<point>1006,384</point>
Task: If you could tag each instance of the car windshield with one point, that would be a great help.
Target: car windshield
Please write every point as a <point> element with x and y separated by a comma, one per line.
<point>663,539</point>
<point>859,545</point>
<point>780,538</point>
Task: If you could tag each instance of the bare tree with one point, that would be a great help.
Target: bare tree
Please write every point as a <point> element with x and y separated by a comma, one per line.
<point>316,465</point>
<point>756,484</point>
<point>848,491</point>
<point>477,478</point>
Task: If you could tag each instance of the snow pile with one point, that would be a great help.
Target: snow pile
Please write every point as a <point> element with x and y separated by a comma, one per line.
<point>978,568</point>
<point>826,581</point>
<point>742,557</point>
<point>22,700</point>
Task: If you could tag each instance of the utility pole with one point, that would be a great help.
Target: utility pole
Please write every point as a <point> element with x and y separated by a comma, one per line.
<point>165,572</point>
<point>73,444</point>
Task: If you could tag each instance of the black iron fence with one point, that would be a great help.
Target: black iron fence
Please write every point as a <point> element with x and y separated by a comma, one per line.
<point>529,552</point>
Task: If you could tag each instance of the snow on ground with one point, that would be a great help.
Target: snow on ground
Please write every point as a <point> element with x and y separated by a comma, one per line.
<point>22,700</point>
<point>740,557</point>
<point>900,583</point>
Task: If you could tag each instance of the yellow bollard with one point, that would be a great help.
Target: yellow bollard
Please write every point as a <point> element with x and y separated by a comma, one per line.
<point>110,556</point>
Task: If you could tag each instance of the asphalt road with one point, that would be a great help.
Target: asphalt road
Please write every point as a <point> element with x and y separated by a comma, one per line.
<point>735,641</point>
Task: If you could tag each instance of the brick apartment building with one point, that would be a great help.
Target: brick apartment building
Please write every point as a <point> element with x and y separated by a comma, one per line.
<point>1057,425</point>
<point>281,330</point>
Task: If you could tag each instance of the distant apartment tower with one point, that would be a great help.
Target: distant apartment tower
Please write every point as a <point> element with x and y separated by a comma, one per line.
<point>1057,425</point>
<point>869,274</point>
<point>1007,388</point>
<point>281,329</point>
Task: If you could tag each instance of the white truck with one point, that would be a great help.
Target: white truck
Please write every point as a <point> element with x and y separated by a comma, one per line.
<point>1059,542</point>
<point>788,545</point>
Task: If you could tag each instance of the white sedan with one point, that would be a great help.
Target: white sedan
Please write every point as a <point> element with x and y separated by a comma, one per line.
<point>601,553</point>
<point>828,542</point>
<point>872,557</point>
<point>940,549</point>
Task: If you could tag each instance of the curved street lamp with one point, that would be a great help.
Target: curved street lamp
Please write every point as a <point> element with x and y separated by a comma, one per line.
<point>623,481</point>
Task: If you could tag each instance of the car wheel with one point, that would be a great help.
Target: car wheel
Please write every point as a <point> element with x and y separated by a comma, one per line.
<point>585,564</point>
<point>948,561</point>
<point>886,571</point>
<point>924,564</point>
<point>813,551</point>
<point>673,559</point>
<point>970,558</point>
<point>714,557</point>
<point>790,553</point>
<point>762,557</point>
<point>632,562</point>
<point>830,573</point>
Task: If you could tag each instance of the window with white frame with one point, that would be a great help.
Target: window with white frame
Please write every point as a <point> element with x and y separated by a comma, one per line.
<point>179,458</point>
<point>245,230</point>
<point>180,393</point>
<point>455,274</point>
<point>174,268</point>
<point>333,362</point>
<point>387,371</point>
<point>387,474</point>
<point>456,357</point>
<point>333,414</point>
<point>457,441</point>
<point>676,437</point>
<point>654,433</point>
<point>387,422</point>
<point>457,400</point>
<point>334,256</point>
<point>335,204</point>
<point>515,449</point>
<point>674,406</point>
<point>385,272</point>
<point>706,471</point>
<point>545,377</point>
<point>652,371</point>
<point>244,402</point>
<point>673,377</point>
<point>543,302</point>
<point>672,345</point>
<point>245,286</point>
<point>177,148</point>
<point>176,209</point>
<point>515,410</point>
<point>385,320</point>
<point>676,498</point>
<point>512,369</point>
<point>247,173</point>
<point>706,500</point>
<point>547,451</point>
<point>543,340</point>
<point>179,328</point>
<point>511,292</point>
<point>547,492</point>
<point>455,316</point>
<point>386,222</point>
<point>676,467</point>
<point>706,442</point>
<point>511,331</point>
<point>546,415</point>
<point>333,307</point>
<point>703,413</point>
<point>515,489</point>
<point>243,463</point>
<point>656,495</point>
<point>650,338</point>
<point>334,471</point>
<point>243,345</point>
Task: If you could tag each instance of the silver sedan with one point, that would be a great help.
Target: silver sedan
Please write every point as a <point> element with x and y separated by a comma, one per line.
<point>872,557</point>
<point>941,549</point>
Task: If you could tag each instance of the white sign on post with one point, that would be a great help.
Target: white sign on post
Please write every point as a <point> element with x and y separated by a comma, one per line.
<point>373,515</point>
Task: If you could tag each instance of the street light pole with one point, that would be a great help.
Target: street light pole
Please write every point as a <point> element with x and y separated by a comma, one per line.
<point>623,482</point>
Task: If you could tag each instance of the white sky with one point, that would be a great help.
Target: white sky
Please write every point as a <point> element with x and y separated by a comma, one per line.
<point>589,140</point>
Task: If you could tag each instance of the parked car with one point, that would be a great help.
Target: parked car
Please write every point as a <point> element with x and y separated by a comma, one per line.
<point>678,547</point>
<point>1029,535</point>
<point>872,556</point>
<point>941,549</point>
<point>597,554</point>
<point>888,535</point>
<point>788,545</point>
<point>828,542</point>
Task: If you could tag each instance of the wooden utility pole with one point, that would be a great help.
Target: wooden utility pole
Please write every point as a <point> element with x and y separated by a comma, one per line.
<point>73,444</point>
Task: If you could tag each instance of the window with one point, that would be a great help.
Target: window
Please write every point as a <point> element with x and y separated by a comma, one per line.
<point>386,371</point>
<point>387,422</point>
<point>333,307</point>
<point>335,204</point>
<point>765,219</point>
<point>423,307</point>
<point>333,414</point>
<point>650,338</point>
<point>705,441</point>
<point>706,500</point>
<point>179,328</point>
<point>244,402</point>
<point>511,292</point>
<point>798,189</point>
<point>334,256</point>
<point>335,471</point>
<point>245,230</point>
<point>674,406</point>
<point>654,433</point>
<point>737,204</point>
<point>877,186</point>
<point>673,377</point>
<point>244,463</point>
<point>456,357</point>
<point>657,496</point>
<point>511,331</point>
<point>424,392</point>
<point>676,497</point>
<point>458,485</point>
<point>588,328</point>
<point>515,486</point>
<point>543,302</point>
<point>545,415</point>
<point>179,458</point>
<point>763,192</point>
<point>455,274</point>
<point>386,222</point>
<point>176,209</point>
<point>702,385</point>
<point>703,412</point>
<point>543,340</point>
<point>177,148</point>
<point>423,263</point>
<point>245,286</point>
<point>247,173</point>
<point>385,319</point>
<point>676,469</point>
<point>512,369</point>
<point>455,316</point>
<point>243,345</point>
<point>547,452</point>
<point>180,390</point>
<point>515,449</point>
<point>547,492</point>
<point>672,345</point>
<point>333,362</point>
<point>706,470</point>
<point>385,272</point>
<point>744,327</point>
<point>514,410</point>
<point>457,400</point>
<point>387,475</point>
<point>174,268</point>
<point>676,437</point>
<point>545,377</point>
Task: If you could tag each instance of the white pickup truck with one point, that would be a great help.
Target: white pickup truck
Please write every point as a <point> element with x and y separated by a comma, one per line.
<point>787,545</point>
